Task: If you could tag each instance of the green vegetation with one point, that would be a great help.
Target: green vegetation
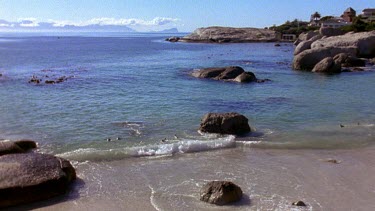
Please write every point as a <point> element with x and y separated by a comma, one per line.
<point>359,25</point>
<point>294,27</point>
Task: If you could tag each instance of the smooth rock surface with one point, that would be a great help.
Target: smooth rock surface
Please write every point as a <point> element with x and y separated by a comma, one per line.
<point>29,177</point>
<point>220,192</point>
<point>225,123</point>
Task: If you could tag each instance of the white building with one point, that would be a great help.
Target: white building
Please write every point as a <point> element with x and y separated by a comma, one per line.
<point>368,14</point>
<point>334,23</point>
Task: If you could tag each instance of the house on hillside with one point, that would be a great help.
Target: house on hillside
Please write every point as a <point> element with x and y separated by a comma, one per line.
<point>349,15</point>
<point>334,23</point>
<point>368,15</point>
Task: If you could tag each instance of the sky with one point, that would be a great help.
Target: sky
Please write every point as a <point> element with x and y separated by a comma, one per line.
<point>151,15</point>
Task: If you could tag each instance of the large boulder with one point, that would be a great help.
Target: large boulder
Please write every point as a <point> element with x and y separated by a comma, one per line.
<point>364,42</point>
<point>327,65</point>
<point>307,59</point>
<point>304,45</point>
<point>21,146</point>
<point>29,177</point>
<point>230,73</point>
<point>220,192</point>
<point>225,123</point>
<point>304,36</point>
<point>328,31</point>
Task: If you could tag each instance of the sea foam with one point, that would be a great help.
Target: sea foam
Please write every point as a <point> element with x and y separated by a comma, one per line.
<point>180,147</point>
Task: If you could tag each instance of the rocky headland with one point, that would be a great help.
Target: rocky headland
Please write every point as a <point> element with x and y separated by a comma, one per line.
<point>216,34</point>
<point>334,54</point>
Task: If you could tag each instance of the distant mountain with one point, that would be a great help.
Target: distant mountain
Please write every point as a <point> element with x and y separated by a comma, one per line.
<point>30,26</point>
<point>171,30</point>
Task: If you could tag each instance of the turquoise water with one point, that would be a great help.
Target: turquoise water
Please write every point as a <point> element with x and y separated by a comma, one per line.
<point>137,87</point>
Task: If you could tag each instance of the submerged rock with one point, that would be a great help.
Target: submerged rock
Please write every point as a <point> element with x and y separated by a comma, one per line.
<point>220,192</point>
<point>225,123</point>
<point>29,177</point>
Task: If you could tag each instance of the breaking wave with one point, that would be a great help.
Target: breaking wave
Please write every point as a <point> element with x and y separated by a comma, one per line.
<point>165,149</point>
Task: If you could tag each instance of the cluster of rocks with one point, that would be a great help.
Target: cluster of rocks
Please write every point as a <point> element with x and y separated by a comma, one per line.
<point>231,73</point>
<point>48,80</point>
<point>216,34</point>
<point>334,54</point>
<point>27,176</point>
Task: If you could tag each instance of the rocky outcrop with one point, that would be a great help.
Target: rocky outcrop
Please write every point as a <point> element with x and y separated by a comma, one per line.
<point>327,65</point>
<point>225,123</point>
<point>216,34</point>
<point>353,44</point>
<point>230,73</point>
<point>29,177</point>
<point>307,59</point>
<point>363,42</point>
<point>220,192</point>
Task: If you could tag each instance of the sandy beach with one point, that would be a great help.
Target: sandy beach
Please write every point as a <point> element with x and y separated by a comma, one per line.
<point>270,179</point>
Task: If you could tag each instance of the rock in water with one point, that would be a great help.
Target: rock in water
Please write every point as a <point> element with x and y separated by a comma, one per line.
<point>220,192</point>
<point>327,65</point>
<point>225,123</point>
<point>29,177</point>
<point>246,77</point>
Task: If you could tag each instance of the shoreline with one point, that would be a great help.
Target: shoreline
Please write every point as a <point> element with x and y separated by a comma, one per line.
<point>270,179</point>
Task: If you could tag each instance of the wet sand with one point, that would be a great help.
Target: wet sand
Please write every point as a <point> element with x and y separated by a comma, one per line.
<point>270,179</point>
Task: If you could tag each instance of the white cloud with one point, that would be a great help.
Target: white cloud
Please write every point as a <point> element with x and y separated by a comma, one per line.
<point>158,21</point>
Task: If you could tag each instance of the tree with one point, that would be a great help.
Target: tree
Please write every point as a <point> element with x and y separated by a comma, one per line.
<point>316,16</point>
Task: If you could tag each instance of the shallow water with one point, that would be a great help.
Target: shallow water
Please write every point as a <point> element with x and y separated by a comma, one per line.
<point>134,90</point>
<point>117,79</point>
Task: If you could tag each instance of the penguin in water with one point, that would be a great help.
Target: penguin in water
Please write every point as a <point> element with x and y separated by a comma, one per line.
<point>164,140</point>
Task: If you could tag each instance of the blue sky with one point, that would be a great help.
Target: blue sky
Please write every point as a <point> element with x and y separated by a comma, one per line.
<point>186,15</point>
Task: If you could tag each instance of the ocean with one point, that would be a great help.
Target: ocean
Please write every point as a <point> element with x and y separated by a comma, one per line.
<point>127,114</point>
